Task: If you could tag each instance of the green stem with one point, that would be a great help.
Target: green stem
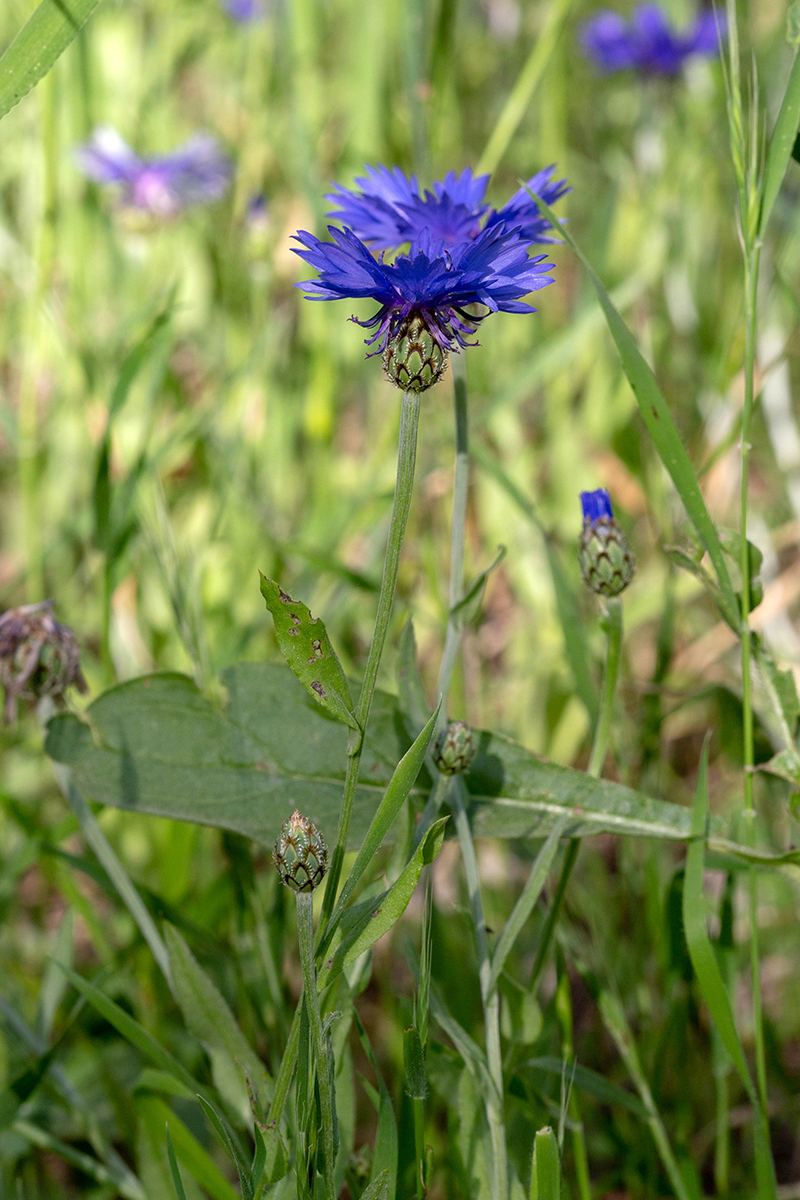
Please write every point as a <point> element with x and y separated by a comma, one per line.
<point>489,995</point>
<point>305,937</point>
<point>406,460</point>
<point>419,1145</point>
<point>613,627</point>
<point>751,266</point>
<point>455,628</point>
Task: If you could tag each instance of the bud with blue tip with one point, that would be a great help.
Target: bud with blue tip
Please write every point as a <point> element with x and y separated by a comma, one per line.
<point>607,561</point>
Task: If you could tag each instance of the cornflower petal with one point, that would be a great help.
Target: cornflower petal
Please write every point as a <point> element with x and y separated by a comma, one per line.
<point>647,43</point>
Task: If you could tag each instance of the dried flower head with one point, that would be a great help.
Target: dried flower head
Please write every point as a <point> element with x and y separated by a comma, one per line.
<point>38,656</point>
<point>607,561</point>
<point>455,748</point>
<point>301,855</point>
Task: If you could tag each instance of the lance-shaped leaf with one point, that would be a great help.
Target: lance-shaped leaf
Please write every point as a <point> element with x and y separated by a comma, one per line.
<point>48,31</point>
<point>304,643</point>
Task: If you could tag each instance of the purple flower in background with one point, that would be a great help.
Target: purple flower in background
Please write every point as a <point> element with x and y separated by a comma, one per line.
<point>196,173</point>
<point>244,11</point>
<point>423,295</point>
<point>646,42</point>
<point>389,210</point>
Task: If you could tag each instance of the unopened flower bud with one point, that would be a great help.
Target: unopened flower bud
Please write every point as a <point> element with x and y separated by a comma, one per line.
<point>301,855</point>
<point>413,359</point>
<point>455,748</point>
<point>38,657</point>
<point>607,561</point>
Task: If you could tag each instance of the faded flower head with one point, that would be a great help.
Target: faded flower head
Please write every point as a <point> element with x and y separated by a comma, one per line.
<point>38,656</point>
<point>455,748</point>
<point>647,43</point>
<point>607,561</point>
<point>428,292</point>
<point>301,855</point>
<point>387,209</point>
<point>196,173</point>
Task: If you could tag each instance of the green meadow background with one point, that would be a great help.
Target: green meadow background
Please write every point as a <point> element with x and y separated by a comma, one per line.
<point>246,430</point>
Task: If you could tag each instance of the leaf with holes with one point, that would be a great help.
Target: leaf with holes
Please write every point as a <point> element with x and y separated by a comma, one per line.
<point>304,643</point>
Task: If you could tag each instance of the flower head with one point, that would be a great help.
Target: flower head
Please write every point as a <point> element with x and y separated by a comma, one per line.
<point>38,656</point>
<point>455,748</point>
<point>195,173</point>
<point>389,210</point>
<point>430,282</point>
<point>647,43</point>
<point>607,561</point>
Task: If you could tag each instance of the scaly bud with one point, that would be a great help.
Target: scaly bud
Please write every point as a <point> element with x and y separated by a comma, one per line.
<point>607,561</point>
<point>413,359</point>
<point>38,657</point>
<point>301,855</point>
<point>455,748</point>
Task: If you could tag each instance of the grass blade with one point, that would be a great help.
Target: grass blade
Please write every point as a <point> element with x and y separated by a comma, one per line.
<point>173,1166</point>
<point>546,1169</point>
<point>660,425</point>
<point>710,980</point>
<point>38,44</point>
<point>780,146</point>
<point>528,897</point>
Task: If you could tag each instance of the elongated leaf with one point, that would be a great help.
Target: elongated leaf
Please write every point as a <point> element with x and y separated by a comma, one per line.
<point>780,145</point>
<point>546,1168</point>
<point>157,745</point>
<point>158,1116</point>
<point>14,1096</point>
<point>210,1019</point>
<point>588,1081</point>
<point>174,1168</point>
<point>47,33</point>
<point>131,1029</point>
<point>365,923</point>
<point>401,783</point>
<point>527,900</point>
<point>118,1176</point>
<point>410,692</point>
<point>660,425</point>
<point>384,1157</point>
<point>467,608</point>
<point>572,628</point>
<point>304,643</point>
<point>227,1139</point>
<point>708,974</point>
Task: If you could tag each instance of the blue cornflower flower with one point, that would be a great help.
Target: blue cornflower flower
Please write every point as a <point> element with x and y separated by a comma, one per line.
<point>388,210</point>
<point>423,295</point>
<point>647,43</point>
<point>607,561</point>
<point>196,173</point>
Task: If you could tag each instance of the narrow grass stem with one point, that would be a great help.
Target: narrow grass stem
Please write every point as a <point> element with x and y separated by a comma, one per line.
<point>751,266</point>
<point>613,628</point>
<point>305,937</point>
<point>489,995</point>
<point>453,636</point>
<point>406,461</point>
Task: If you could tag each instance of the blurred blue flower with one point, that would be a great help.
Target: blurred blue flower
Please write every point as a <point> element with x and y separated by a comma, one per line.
<point>596,505</point>
<point>196,173</point>
<point>388,210</point>
<point>244,11</point>
<point>647,43</point>
<point>432,281</point>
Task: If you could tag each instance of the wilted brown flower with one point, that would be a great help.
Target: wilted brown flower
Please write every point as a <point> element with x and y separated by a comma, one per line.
<point>38,656</point>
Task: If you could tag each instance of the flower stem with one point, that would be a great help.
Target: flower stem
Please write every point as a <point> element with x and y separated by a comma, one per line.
<point>455,629</point>
<point>406,460</point>
<point>489,995</point>
<point>613,628</point>
<point>305,937</point>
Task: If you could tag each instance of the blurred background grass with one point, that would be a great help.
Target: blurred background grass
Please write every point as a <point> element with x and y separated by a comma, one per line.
<point>255,434</point>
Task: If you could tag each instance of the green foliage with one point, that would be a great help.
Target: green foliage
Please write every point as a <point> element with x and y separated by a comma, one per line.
<point>46,34</point>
